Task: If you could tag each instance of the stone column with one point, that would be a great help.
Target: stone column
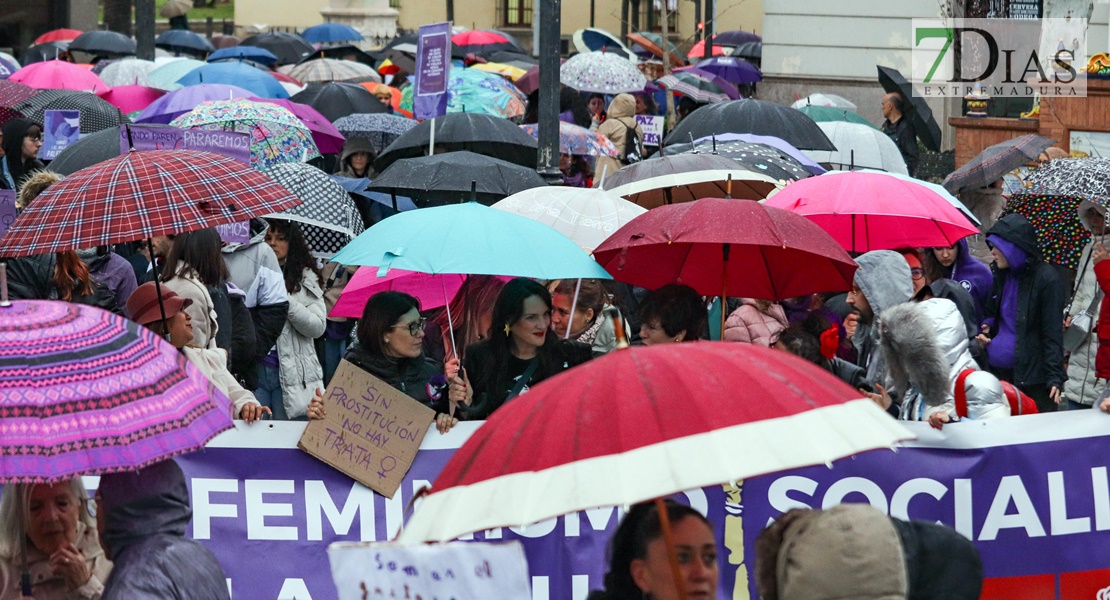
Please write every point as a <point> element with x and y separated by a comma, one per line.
<point>374,19</point>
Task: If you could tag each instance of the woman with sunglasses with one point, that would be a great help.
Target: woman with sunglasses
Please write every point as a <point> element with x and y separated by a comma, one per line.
<point>21,142</point>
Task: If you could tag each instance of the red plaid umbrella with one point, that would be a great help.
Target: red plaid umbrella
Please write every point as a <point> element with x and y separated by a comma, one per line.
<point>140,195</point>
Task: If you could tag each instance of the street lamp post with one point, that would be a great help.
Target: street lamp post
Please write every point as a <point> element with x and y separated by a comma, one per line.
<point>547,159</point>
<point>144,29</point>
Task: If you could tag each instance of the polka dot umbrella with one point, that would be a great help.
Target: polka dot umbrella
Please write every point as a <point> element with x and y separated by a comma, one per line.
<point>96,113</point>
<point>601,72</point>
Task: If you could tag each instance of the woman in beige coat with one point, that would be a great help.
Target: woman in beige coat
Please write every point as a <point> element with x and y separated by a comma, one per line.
<point>620,122</point>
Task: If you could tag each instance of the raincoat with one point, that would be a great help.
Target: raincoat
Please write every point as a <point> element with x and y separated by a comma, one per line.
<point>113,271</point>
<point>1084,386</point>
<point>298,366</point>
<point>621,121</point>
<point>48,586</point>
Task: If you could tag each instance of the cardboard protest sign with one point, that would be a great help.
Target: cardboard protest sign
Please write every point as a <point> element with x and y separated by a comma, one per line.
<point>60,129</point>
<point>371,432</point>
<point>653,129</point>
<point>231,144</point>
<point>463,570</point>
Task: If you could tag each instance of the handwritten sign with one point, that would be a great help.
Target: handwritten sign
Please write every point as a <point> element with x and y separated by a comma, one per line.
<point>237,233</point>
<point>372,431</point>
<point>653,129</point>
<point>60,129</point>
<point>458,570</point>
<point>163,137</point>
<point>8,210</point>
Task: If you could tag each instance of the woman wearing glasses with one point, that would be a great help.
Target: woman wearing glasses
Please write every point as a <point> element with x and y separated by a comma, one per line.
<point>21,142</point>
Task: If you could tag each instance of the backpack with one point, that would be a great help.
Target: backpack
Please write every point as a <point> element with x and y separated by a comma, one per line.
<point>1020,404</point>
<point>632,152</point>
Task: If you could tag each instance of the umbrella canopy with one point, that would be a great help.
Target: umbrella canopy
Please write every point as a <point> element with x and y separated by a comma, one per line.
<point>131,98</point>
<point>143,194</point>
<point>769,140</point>
<point>577,141</point>
<point>697,51</point>
<point>330,69</point>
<point>58,35</point>
<point>749,51</point>
<point>358,186</point>
<point>277,135</point>
<point>729,89</point>
<point>175,8</point>
<point>129,71</point>
<point>530,81</point>
<point>482,42</point>
<point>859,146</point>
<point>96,114</point>
<point>165,76</point>
<point>686,177</point>
<point>995,161</point>
<point>471,239</point>
<point>344,52</point>
<point>336,99</point>
<point>752,116</point>
<point>180,101</point>
<point>1083,178</point>
<point>261,56</point>
<point>380,128</point>
<point>44,52</point>
<point>592,39</point>
<point>510,72</point>
<point>920,115</point>
<point>328,139</point>
<point>587,216</point>
<point>103,43</point>
<point>85,391</point>
<point>696,88</point>
<point>566,445</point>
<point>330,33</point>
<point>602,72</point>
<point>453,176</point>
<point>829,114</point>
<point>289,48</point>
<point>236,73</point>
<point>736,37</point>
<point>59,75</point>
<point>7,67</point>
<point>13,93</point>
<point>225,41</point>
<point>940,191</point>
<point>87,151</point>
<point>867,211</point>
<point>429,289</point>
<point>760,158</point>
<point>182,40</point>
<point>482,134</point>
<point>653,43</point>
<point>329,218</point>
<point>1061,235</point>
<point>474,91</point>
<point>823,99</point>
<point>731,69</point>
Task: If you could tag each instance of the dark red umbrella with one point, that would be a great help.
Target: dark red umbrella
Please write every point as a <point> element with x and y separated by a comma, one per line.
<point>13,92</point>
<point>282,77</point>
<point>140,195</point>
<point>530,81</point>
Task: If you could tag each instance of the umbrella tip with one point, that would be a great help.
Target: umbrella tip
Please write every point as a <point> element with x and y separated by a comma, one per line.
<point>4,303</point>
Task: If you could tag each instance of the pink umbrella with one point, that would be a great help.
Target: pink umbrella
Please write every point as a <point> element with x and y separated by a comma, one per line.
<point>59,75</point>
<point>433,291</point>
<point>867,211</point>
<point>328,139</point>
<point>131,98</point>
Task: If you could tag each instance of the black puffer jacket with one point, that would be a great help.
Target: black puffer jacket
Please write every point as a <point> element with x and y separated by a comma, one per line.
<point>420,378</point>
<point>32,278</point>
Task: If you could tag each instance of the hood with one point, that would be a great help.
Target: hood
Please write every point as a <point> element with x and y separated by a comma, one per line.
<point>140,504</point>
<point>1086,208</point>
<point>357,144</point>
<point>884,278</point>
<point>1016,257</point>
<point>923,344</point>
<point>947,564</point>
<point>35,185</point>
<point>1017,230</point>
<point>623,105</point>
<point>259,227</point>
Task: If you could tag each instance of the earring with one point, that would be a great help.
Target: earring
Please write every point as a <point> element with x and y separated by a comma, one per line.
<point>507,329</point>
<point>387,340</point>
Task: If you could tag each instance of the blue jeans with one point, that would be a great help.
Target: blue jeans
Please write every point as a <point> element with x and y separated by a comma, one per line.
<point>268,392</point>
<point>333,353</point>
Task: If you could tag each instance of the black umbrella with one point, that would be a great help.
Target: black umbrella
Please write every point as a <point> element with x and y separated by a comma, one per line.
<point>103,43</point>
<point>408,38</point>
<point>752,116</point>
<point>96,113</point>
<point>405,62</point>
<point>504,56</point>
<point>760,158</point>
<point>448,179</point>
<point>995,161</point>
<point>289,48</point>
<point>748,50</point>
<point>184,42</point>
<point>45,52</point>
<point>919,113</point>
<point>337,99</point>
<point>481,134</point>
<point>345,52</point>
<point>87,151</point>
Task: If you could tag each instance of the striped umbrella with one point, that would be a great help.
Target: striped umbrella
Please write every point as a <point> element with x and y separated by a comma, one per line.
<point>694,87</point>
<point>330,69</point>
<point>84,391</point>
<point>277,135</point>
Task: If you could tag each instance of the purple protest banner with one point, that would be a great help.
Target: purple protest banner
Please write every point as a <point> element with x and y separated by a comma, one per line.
<point>60,129</point>
<point>433,70</point>
<point>8,211</point>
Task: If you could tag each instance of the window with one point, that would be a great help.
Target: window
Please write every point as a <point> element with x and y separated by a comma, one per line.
<point>516,13</point>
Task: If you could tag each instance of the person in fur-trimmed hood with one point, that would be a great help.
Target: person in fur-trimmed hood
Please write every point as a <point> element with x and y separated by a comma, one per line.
<point>882,281</point>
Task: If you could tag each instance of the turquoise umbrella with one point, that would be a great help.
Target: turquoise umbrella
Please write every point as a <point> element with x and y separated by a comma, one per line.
<point>469,239</point>
<point>165,76</point>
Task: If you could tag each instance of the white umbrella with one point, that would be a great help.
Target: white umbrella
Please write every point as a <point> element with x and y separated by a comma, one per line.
<point>859,147</point>
<point>129,71</point>
<point>586,216</point>
<point>693,185</point>
<point>822,99</point>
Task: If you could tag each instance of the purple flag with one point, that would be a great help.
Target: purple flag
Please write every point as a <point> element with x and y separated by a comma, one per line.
<point>433,69</point>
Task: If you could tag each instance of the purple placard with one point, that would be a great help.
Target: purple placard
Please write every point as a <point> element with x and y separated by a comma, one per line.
<point>163,137</point>
<point>8,211</point>
<point>60,129</point>
<point>433,70</point>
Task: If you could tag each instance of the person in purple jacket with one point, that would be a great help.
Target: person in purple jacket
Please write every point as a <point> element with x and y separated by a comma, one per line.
<point>956,263</point>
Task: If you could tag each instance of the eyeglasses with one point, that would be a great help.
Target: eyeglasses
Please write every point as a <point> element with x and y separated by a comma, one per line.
<point>34,138</point>
<point>917,272</point>
<point>415,327</point>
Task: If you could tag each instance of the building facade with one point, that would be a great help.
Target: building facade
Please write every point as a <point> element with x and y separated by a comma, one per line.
<point>21,21</point>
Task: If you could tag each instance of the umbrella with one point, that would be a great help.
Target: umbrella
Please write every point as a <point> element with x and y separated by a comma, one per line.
<point>7,67</point>
<point>1061,235</point>
<point>330,69</point>
<point>696,88</point>
<point>182,40</point>
<point>729,89</point>
<point>140,195</point>
<point>686,177</point>
<point>867,211</point>
<point>430,290</point>
<point>577,141</point>
<point>329,33</point>
<point>165,76</point>
<point>592,39</point>
<point>328,216</point>
<point>829,114</point>
<point>530,81</point>
<point>769,140</point>
<point>733,70</point>
<point>859,146</point>
<point>472,239</point>
<point>345,52</point>
<point>602,72</point>
<point>96,114</point>
<point>653,43</point>
<point>358,187</point>
<point>287,47</point>
<point>749,50</point>
<point>473,91</point>
<point>328,139</point>
<point>58,35</point>
<point>85,391</point>
<point>567,446</point>
<point>512,57</point>
<point>380,128</point>
<point>482,42</point>
<point>261,56</point>
<point>752,116</point>
<point>175,8</point>
<point>586,216</point>
<point>995,161</point>
<point>920,115</point>
<point>398,63</point>
<point>822,99</point>
<point>698,50</point>
<point>277,135</point>
<point>760,158</point>
<point>58,75</point>
<point>225,41</point>
<point>181,101</point>
<point>87,151</point>
<point>1084,178</point>
<point>736,37</point>
<point>508,71</point>
<point>245,76</point>
<point>44,52</point>
<point>936,187</point>
<point>455,177</point>
<point>338,99</point>
<point>129,71</point>
<point>482,134</point>
<point>13,93</point>
<point>131,98</point>
<point>103,43</point>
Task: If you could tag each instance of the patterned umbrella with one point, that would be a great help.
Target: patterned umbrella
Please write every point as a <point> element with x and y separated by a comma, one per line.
<point>1060,234</point>
<point>129,71</point>
<point>165,76</point>
<point>277,135</point>
<point>1084,178</point>
<point>330,69</point>
<point>380,128</point>
<point>59,75</point>
<point>577,140</point>
<point>181,101</point>
<point>760,158</point>
<point>473,91</point>
<point>139,195</point>
<point>693,87</point>
<point>830,114</point>
<point>83,391</point>
<point>96,113</point>
<point>329,218</point>
<point>328,139</point>
<point>586,216</point>
<point>602,72</point>
<point>994,162</point>
<point>13,92</point>
<point>236,73</point>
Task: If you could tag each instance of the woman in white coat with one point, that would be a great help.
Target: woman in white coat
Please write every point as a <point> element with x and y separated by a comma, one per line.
<point>1083,389</point>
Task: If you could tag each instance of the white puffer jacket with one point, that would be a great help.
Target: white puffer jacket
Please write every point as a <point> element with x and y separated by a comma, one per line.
<point>298,366</point>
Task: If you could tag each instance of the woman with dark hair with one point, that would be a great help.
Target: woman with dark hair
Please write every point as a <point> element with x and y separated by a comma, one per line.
<point>816,339</point>
<point>290,373</point>
<point>471,312</point>
<point>572,108</point>
<point>576,171</point>
<point>194,268</point>
<point>639,566</point>
<point>672,313</point>
<point>21,142</point>
<point>956,263</point>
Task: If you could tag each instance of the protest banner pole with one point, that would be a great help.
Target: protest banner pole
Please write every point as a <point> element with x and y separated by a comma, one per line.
<point>547,160</point>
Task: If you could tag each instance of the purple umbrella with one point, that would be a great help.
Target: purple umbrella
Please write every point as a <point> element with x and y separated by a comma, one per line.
<point>726,87</point>
<point>735,38</point>
<point>179,102</point>
<point>733,70</point>
<point>769,140</point>
<point>328,139</point>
